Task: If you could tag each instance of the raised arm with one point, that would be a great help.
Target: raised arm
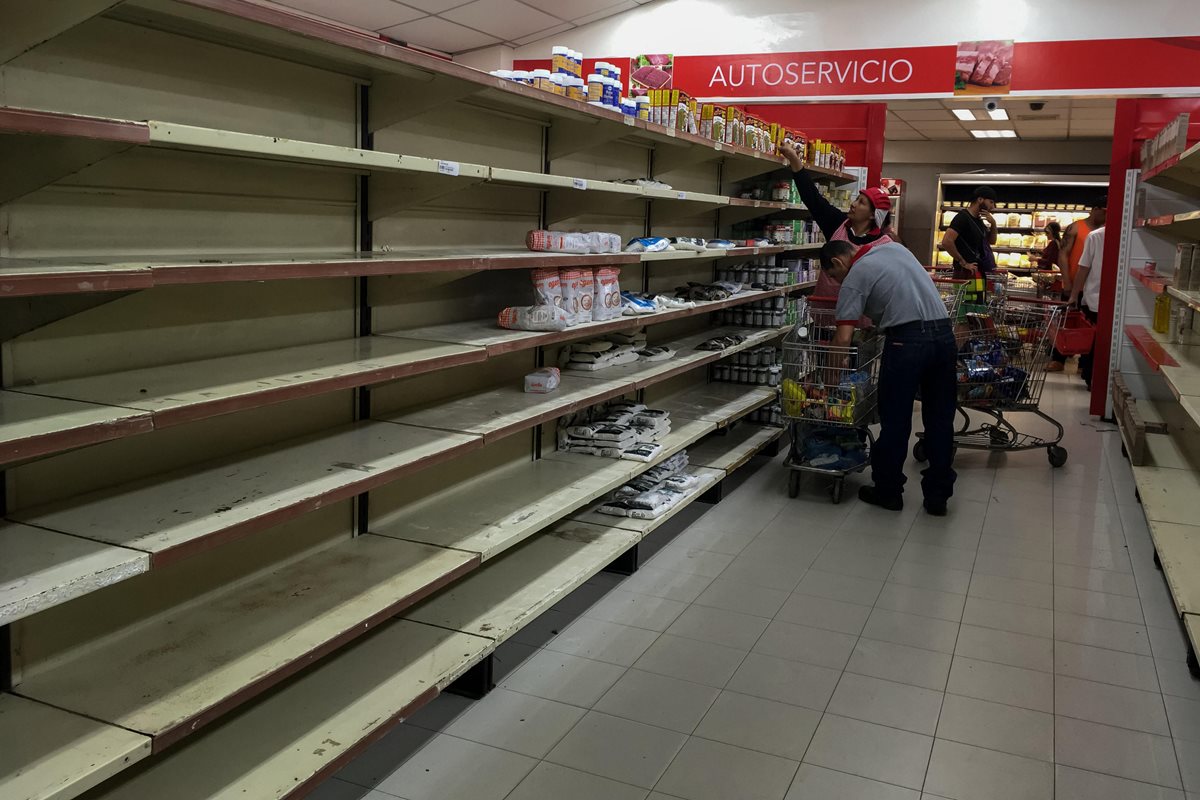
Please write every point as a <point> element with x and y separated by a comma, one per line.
<point>827,217</point>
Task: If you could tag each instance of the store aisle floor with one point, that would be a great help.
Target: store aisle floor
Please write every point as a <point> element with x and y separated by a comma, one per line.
<point>1023,648</point>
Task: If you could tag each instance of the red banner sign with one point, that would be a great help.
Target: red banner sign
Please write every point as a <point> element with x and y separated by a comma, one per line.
<point>836,73</point>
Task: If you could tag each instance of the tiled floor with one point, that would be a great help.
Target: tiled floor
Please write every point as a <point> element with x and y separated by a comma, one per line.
<point>1024,648</point>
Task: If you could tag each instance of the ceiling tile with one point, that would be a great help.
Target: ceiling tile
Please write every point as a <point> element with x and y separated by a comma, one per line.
<point>432,6</point>
<point>1042,130</point>
<point>947,125</point>
<point>369,14</point>
<point>932,115</point>
<point>947,134</point>
<point>536,37</point>
<point>439,34</point>
<point>627,5</point>
<point>905,136</point>
<point>570,9</point>
<point>506,19</point>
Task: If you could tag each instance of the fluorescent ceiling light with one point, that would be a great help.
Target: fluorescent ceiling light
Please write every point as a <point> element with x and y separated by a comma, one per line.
<point>964,114</point>
<point>993,134</point>
<point>998,114</point>
<point>979,134</point>
<point>1008,134</point>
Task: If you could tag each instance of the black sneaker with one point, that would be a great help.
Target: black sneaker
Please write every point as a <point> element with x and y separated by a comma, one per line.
<point>868,495</point>
<point>935,508</point>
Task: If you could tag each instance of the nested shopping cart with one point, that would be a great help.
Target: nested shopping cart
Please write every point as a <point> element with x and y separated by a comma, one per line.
<point>1003,351</point>
<point>829,396</point>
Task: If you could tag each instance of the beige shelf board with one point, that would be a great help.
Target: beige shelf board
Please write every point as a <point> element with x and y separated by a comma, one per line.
<point>24,277</point>
<point>1192,299</point>
<point>189,510</point>
<point>1184,226</point>
<point>720,403</point>
<point>493,512</point>
<point>40,569</point>
<point>292,739</point>
<point>502,597</point>
<point>502,412</point>
<point>541,180</point>
<point>733,449</point>
<point>50,754</point>
<point>171,676</point>
<point>1178,548</point>
<point>647,373</point>
<point>177,393</point>
<point>1180,174</point>
<point>32,426</point>
<point>644,527</point>
<point>40,276</point>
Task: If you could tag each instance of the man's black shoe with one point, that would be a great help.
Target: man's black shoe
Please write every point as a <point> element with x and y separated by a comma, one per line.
<point>868,495</point>
<point>935,508</point>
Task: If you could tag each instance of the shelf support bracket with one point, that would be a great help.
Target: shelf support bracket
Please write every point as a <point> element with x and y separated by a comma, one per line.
<point>391,194</point>
<point>668,159</point>
<point>624,564</point>
<point>476,682</point>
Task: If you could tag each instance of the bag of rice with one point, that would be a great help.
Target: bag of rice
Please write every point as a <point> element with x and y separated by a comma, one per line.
<point>607,301</point>
<point>571,283</point>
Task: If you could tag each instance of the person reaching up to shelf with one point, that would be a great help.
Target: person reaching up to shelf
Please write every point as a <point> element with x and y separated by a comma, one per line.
<point>866,222</point>
<point>1069,255</point>
<point>972,235</point>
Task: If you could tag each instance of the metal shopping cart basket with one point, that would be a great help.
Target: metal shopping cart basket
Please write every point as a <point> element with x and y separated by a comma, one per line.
<point>829,396</point>
<point>1003,352</point>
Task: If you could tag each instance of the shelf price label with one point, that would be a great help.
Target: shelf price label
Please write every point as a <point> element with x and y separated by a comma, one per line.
<point>448,168</point>
<point>718,147</point>
<point>579,183</point>
<point>682,195</point>
<point>628,120</point>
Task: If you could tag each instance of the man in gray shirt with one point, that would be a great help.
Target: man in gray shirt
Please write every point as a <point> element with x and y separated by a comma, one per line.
<point>889,285</point>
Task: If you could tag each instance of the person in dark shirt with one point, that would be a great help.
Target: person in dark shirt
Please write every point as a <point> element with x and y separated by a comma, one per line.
<point>969,240</point>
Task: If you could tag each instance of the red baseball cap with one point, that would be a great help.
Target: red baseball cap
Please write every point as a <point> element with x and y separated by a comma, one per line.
<point>880,200</point>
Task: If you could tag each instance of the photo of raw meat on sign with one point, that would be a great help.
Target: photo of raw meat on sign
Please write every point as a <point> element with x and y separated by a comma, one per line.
<point>650,72</point>
<point>984,67</point>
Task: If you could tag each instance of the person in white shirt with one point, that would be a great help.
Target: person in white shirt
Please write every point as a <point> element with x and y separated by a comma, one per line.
<point>1086,292</point>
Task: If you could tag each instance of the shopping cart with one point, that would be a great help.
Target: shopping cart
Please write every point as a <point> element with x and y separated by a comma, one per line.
<point>1003,351</point>
<point>829,397</point>
<point>952,291</point>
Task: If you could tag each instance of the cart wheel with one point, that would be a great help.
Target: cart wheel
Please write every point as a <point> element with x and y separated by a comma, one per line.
<point>1057,455</point>
<point>835,491</point>
<point>919,451</point>
<point>793,483</point>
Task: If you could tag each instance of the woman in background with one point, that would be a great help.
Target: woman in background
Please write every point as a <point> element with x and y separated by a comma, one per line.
<point>1049,257</point>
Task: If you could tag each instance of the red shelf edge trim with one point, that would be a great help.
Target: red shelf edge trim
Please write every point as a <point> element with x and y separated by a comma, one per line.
<point>1149,347</point>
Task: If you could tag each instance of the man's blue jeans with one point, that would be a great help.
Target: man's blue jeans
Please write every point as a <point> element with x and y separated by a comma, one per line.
<point>917,357</point>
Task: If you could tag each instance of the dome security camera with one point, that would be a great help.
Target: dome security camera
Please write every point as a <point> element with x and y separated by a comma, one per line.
<point>992,103</point>
<point>1036,106</point>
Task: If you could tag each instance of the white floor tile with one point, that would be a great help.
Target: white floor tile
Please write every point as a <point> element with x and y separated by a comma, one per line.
<point>754,723</point>
<point>819,612</point>
<point>658,700</point>
<point>870,751</point>
<point>1108,634</point>
<point>1175,679</point>
<point>564,678</point>
<point>1037,547</point>
<point>854,565</point>
<point>786,681</point>
<point>603,641</point>
<point>921,602</point>
<point>1110,705</point>
<point>1105,666</point>
<point>719,626</point>
<point>1185,718</point>
<point>924,576</point>
<point>1095,580</point>
<point>900,663</point>
<point>1011,590</point>
<point>519,722</point>
<point>1004,647</point>
<point>1009,617</point>
<point>334,789</point>
<point>682,586</point>
<point>636,610</point>
<point>618,749</point>
<point>896,705</point>
<point>932,555</point>
<point>550,780</point>
<point>929,634</point>
<point>1023,569</point>
<point>1116,751</point>
<point>1078,784</point>
<point>999,683</point>
<point>452,767</point>
<point>744,598</point>
<point>813,782</point>
<point>862,591</point>
<point>996,726</point>
<point>691,660</point>
<point>963,772</point>
<point>707,770</point>
<point>1168,643</point>
<point>691,561</point>
<point>800,643</point>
